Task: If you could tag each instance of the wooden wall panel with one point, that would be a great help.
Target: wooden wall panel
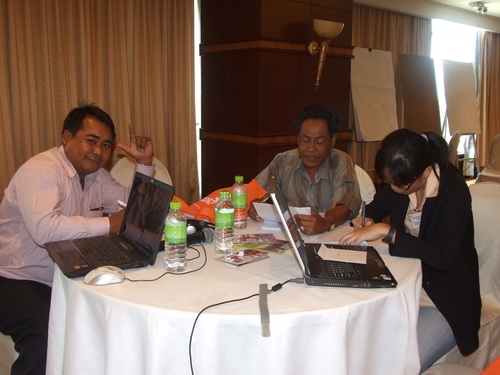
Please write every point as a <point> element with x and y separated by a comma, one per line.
<point>222,152</point>
<point>257,75</point>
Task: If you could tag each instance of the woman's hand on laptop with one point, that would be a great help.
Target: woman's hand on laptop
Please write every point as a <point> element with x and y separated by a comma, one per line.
<point>370,232</point>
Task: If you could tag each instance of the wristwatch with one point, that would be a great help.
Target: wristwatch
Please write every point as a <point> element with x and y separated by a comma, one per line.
<point>388,239</point>
<point>331,223</point>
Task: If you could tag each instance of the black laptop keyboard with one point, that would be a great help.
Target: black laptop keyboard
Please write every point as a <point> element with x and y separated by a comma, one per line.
<point>340,269</point>
<point>104,250</point>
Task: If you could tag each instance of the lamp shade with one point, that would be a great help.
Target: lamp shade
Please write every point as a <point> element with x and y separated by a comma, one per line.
<point>327,29</point>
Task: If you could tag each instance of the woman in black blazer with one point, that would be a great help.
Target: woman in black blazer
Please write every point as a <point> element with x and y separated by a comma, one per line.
<point>429,206</point>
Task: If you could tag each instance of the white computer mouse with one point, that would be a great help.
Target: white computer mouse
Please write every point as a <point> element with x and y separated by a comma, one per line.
<point>104,275</point>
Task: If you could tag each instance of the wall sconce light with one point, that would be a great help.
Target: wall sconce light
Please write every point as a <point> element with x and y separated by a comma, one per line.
<point>327,30</point>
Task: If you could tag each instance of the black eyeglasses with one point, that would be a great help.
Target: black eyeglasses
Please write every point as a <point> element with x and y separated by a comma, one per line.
<point>402,187</point>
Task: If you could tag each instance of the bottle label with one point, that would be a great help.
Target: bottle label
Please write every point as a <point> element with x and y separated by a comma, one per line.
<point>175,233</point>
<point>224,218</point>
<point>239,200</point>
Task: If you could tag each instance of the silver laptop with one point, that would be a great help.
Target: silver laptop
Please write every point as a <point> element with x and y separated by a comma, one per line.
<point>328,273</point>
<point>136,245</point>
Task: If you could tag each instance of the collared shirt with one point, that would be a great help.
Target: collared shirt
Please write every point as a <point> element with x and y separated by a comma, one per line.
<point>412,224</point>
<point>44,202</point>
<point>335,181</point>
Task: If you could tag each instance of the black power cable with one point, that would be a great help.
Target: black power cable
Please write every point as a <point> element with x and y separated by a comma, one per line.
<point>180,273</point>
<point>275,288</point>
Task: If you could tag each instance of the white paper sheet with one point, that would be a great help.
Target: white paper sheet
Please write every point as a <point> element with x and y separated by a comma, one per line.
<point>268,212</point>
<point>350,256</point>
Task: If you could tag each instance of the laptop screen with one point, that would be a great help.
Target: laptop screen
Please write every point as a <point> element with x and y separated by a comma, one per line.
<point>287,214</point>
<point>291,228</point>
<point>145,213</point>
<point>319,272</point>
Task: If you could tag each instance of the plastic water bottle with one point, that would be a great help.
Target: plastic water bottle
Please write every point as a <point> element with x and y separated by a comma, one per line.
<point>239,200</point>
<point>224,224</point>
<point>175,239</point>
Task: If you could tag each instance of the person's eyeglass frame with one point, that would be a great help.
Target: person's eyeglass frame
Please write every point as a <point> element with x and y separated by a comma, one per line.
<point>402,187</point>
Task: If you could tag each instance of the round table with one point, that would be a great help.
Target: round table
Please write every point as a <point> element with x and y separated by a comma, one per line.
<point>145,327</point>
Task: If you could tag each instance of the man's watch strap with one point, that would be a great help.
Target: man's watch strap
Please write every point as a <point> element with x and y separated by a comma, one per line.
<point>390,236</point>
<point>331,223</point>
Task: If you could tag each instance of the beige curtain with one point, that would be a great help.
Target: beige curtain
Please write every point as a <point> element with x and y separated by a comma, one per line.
<point>489,92</point>
<point>135,59</point>
<point>387,31</point>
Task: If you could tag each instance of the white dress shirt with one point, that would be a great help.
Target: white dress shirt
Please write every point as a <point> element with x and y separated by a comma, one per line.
<point>45,202</point>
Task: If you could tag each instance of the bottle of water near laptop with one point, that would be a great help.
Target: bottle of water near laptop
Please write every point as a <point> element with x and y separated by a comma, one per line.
<point>239,200</point>
<point>175,239</point>
<point>224,224</point>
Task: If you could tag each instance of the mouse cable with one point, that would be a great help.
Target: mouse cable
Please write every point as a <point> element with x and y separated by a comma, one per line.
<point>181,273</point>
<point>275,288</point>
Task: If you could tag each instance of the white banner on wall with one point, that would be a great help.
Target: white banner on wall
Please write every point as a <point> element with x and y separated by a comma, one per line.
<point>373,94</point>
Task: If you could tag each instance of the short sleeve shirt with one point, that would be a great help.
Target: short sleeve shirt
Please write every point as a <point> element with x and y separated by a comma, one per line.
<point>334,183</point>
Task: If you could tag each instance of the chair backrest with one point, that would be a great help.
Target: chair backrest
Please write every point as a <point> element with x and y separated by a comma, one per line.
<point>494,154</point>
<point>453,147</point>
<point>123,171</point>
<point>491,172</point>
<point>486,210</point>
<point>366,185</point>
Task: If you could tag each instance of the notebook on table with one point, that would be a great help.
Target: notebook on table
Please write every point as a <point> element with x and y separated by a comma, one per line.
<point>137,243</point>
<point>329,273</point>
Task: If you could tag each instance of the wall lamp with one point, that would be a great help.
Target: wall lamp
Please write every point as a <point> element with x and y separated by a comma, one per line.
<point>327,30</point>
<point>480,7</point>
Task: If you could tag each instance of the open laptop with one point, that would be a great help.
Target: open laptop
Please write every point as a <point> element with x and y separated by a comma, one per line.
<point>137,243</point>
<point>328,273</point>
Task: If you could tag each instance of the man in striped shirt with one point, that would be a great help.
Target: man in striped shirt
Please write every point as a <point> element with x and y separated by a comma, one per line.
<point>315,174</point>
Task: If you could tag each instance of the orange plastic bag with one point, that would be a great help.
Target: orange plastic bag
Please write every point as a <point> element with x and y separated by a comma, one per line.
<point>204,208</point>
<point>493,368</point>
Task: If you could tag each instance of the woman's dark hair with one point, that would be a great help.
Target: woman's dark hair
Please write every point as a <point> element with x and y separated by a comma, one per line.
<point>318,111</point>
<point>405,154</point>
<point>74,120</point>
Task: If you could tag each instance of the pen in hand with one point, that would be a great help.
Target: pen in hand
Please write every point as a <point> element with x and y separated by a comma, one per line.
<point>363,213</point>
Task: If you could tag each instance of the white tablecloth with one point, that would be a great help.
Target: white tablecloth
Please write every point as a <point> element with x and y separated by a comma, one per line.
<point>145,327</point>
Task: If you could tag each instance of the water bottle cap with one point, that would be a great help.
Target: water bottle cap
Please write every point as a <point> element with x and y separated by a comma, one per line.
<point>175,205</point>
<point>238,178</point>
<point>224,194</point>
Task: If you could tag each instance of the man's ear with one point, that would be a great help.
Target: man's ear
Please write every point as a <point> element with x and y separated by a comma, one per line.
<point>333,140</point>
<point>66,135</point>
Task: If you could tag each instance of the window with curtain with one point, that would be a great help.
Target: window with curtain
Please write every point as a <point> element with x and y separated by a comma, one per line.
<point>406,34</point>
<point>454,43</point>
<point>386,31</point>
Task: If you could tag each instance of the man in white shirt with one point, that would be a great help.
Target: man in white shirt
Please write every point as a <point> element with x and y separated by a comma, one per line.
<point>61,193</point>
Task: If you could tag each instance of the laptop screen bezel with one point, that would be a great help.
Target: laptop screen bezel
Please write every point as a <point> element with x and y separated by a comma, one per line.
<point>152,253</point>
<point>286,217</point>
